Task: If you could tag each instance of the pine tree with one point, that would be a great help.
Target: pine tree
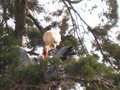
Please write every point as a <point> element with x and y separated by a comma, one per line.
<point>87,71</point>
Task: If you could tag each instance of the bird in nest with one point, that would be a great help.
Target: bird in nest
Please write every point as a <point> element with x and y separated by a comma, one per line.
<point>52,39</point>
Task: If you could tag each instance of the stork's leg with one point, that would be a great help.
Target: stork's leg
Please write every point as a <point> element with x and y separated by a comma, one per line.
<point>55,49</point>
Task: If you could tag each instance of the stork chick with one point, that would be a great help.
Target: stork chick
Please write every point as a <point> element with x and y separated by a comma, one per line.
<point>52,39</point>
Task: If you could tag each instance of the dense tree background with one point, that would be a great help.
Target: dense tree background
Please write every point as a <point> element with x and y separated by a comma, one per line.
<point>89,70</point>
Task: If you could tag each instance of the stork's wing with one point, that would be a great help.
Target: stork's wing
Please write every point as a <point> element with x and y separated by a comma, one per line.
<point>51,37</point>
<point>63,52</point>
<point>56,37</point>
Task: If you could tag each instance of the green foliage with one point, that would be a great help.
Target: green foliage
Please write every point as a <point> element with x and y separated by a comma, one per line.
<point>100,32</point>
<point>8,50</point>
<point>56,60</point>
<point>88,67</point>
<point>35,38</point>
<point>90,71</point>
<point>113,50</point>
<point>1,31</point>
<point>35,74</point>
<point>12,10</point>
<point>113,7</point>
<point>69,40</point>
<point>42,74</point>
<point>112,16</point>
<point>117,79</point>
<point>4,84</point>
<point>31,74</point>
<point>64,25</point>
<point>29,22</point>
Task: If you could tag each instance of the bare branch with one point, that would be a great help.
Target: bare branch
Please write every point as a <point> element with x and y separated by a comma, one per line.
<point>89,28</point>
<point>74,25</point>
<point>73,1</point>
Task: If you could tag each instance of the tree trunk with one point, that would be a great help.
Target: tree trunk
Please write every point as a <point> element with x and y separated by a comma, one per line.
<point>19,19</point>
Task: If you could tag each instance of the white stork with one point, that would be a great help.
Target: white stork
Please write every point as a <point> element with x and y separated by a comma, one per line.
<point>52,39</point>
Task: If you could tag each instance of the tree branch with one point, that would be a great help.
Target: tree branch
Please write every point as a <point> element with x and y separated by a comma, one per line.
<point>73,2</point>
<point>90,29</point>
<point>35,22</point>
<point>54,24</point>
<point>74,26</point>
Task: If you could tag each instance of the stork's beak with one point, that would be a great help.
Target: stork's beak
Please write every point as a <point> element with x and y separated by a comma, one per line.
<point>45,53</point>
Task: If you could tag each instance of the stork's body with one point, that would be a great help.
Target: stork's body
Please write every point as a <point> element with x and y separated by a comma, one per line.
<point>51,39</point>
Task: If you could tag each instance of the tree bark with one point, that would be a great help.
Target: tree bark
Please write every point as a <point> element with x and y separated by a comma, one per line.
<point>19,19</point>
